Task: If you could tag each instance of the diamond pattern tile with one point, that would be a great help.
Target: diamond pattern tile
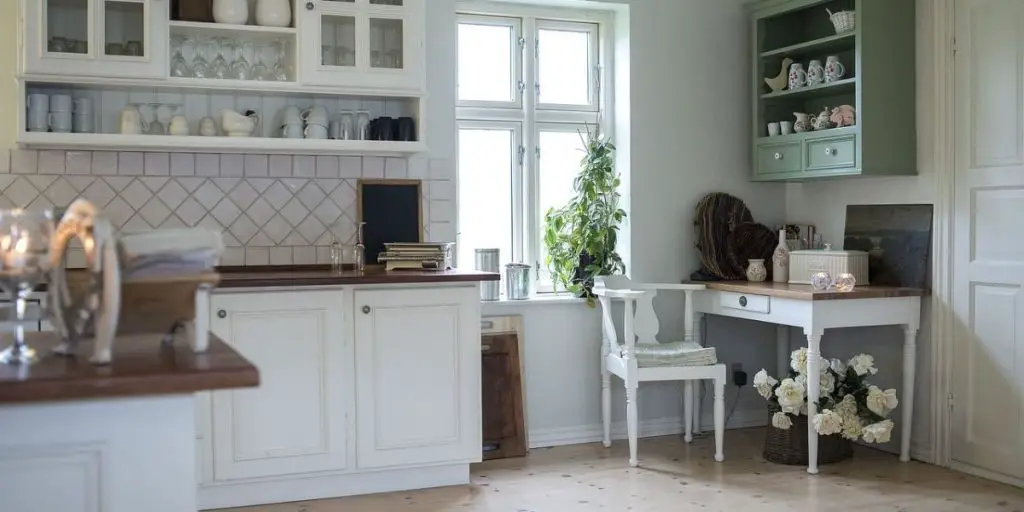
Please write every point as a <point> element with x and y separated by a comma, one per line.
<point>243,194</point>
<point>155,212</point>
<point>294,212</point>
<point>42,182</point>
<point>327,212</point>
<point>345,195</point>
<point>21,192</point>
<point>172,194</point>
<point>208,195</point>
<point>277,229</point>
<point>80,183</point>
<point>61,192</point>
<point>225,212</point>
<point>154,184</point>
<point>259,211</point>
<point>260,184</point>
<point>137,194</point>
<point>190,211</point>
<point>311,229</point>
<point>118,183</point>
<point>311,195</point>
<point>226,184</point>
<point>190,184</point>
<point>277,195</point>
<point>118,211</point>
<point>243,229</point>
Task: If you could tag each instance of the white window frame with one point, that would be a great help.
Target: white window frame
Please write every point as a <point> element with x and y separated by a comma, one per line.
<point>516,45</point>
<point>530,115</point>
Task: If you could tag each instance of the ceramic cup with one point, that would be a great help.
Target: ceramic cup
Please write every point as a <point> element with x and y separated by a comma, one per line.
<point>291,115</point>
<point>82,107</point>
<point>316,115</point>
<point>38,121</point>
<point>133,48</point>
<point>178,126</point>
<point>773,129</point>
<point>60,103</point>
<point>60,121</point>
<point>292,131</point>
<point>115,49</point>
<point>315,131</point>
<point>786,127</point>
<point>334,130</point>
<point>82,123</point>
<point>207,127</point>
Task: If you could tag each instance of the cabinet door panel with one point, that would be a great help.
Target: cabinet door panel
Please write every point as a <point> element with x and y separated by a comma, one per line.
<point>417,376</point>
<point>293,422</point>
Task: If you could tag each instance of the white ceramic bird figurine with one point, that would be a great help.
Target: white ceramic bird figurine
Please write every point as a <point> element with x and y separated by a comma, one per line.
<point>779,82</point>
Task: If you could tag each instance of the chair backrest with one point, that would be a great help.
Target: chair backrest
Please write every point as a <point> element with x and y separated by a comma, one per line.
<point>640,322</point>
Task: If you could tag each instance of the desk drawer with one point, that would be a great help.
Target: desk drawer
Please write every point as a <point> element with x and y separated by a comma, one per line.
<point>745,302</point>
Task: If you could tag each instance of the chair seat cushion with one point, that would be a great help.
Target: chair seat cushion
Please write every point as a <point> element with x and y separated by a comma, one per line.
<point>678,353</point>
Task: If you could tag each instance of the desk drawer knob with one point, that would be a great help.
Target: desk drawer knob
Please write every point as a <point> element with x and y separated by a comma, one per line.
<point>743,301</point>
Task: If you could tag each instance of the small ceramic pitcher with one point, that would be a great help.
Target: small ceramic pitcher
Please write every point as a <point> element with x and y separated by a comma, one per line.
<point>756,271</point>
<point>797,76</point>
<point>834,70</point>
<point>823,121</point>
<point>803,122</point>
<point>815,73</point>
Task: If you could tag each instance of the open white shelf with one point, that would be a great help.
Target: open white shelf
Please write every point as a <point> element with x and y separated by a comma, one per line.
<point>200,144</point>
<point>197,29</point>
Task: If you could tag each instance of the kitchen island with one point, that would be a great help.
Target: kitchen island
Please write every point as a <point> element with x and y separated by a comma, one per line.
<point>117,438</point>
<point>370,383</point>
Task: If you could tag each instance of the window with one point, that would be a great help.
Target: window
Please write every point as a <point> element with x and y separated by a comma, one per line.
<point>529,83</point>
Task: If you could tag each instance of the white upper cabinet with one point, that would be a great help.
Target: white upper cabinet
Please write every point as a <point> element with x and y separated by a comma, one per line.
<point>363,44</point>
<point>103,38</point>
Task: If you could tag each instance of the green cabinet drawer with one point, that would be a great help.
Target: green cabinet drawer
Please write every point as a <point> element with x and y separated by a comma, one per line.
<point>832,153</point>
<point>779,158</point>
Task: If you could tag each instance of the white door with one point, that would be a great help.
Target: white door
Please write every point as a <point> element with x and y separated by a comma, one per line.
<point>988,292</point>
<point>294,422</point>
<point>417,376</point>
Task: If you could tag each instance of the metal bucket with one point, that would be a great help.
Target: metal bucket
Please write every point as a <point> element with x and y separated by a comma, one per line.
<point>517,281</point>
<point>489,260</point>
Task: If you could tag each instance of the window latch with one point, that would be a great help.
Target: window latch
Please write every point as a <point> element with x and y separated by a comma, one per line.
<point>522,155</point>
<point>522,86</point>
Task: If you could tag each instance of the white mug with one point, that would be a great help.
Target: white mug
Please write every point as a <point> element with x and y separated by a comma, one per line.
<point>83,106</point>
<point>60,122</point>
<point>316,115</point>
<point>292,131</point>
<point>773,129</point>
<point>292,115</point>
<point>38,120</point>
<point>179,126</point>
<point>40,102</point>
<point>787,127</point>
<point>60,103</point>
<point>315,131</point>
<point>83,123</point>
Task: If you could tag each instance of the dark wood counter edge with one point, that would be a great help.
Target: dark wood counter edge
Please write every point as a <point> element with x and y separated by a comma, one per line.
<point>321,275</point>
<point>805,292</point>
<point>142,366</point>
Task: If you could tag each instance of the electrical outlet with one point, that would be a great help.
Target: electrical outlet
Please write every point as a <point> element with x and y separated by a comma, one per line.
<point>739,376</point>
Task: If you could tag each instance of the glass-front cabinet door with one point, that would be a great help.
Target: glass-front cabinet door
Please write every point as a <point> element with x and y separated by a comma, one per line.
<point>363,43</point>
<point>117,38</point>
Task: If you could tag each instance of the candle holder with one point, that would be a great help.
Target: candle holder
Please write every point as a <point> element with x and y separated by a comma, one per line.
<point>24,264</point>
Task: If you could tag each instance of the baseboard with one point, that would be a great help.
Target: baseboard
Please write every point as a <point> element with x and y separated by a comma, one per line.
<point>543,438</point>
<point>312,487</point>
<point>984,473</point>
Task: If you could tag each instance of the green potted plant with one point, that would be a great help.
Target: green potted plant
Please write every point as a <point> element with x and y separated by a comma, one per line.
<point>580,237</point>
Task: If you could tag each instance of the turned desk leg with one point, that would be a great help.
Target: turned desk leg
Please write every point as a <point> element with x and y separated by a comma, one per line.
<point>909,368</point>
<point>698,336</point>
<point>813,391</point>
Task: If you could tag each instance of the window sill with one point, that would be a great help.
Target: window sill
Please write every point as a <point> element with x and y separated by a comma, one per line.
<point>536,300</point>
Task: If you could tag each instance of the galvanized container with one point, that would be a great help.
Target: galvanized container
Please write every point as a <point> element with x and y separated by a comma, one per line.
<point>489,260</point>
<point>517,281</point>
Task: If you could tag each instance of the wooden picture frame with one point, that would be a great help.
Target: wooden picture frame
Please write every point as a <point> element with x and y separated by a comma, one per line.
<point>370,237</point>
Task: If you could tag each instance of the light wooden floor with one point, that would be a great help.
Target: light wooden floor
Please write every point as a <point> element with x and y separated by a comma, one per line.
<point>677,477</point>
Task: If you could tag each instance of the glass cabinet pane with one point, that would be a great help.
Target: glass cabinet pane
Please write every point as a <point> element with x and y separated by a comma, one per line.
<point>125,28</point>
<point>67,26</point>
<point>338,41</point>
<point>386,2</point>
<point>386,43</point>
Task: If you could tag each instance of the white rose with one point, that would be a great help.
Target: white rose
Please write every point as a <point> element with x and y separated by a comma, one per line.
<point>863,364</point>
<point>763,383</point>
<point>827,422</point>
<point>878,432</point>
<point>798,360</point>
<point>827,384</point>
<point>852,428</point>
<point>847,408</point>
<point>839,367</point>
<point>881,402</point>
<point>790,395</point>
<point>781,420</point>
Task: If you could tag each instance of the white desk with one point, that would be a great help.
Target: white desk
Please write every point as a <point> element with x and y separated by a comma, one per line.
<point>799,306</point>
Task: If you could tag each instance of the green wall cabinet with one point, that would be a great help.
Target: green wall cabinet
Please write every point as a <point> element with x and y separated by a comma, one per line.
<point>879,82</point>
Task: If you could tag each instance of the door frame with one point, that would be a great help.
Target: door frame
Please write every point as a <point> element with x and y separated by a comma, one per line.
<point>938,20</point>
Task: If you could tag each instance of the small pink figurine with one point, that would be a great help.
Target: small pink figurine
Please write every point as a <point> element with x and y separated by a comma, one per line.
<point>844,115</point>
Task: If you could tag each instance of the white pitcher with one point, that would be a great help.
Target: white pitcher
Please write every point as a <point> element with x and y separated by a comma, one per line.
<point>132,122</point>
<point>235,12</point>
<point>834,70</point>
<point>273,13</point>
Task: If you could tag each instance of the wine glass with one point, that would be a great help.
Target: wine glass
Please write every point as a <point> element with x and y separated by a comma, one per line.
<point>200,65</point>
<point>280,69</point>
<point>240,67</point>
<point>179,68</point>
<point>219,67</point>
<point>260,71</point>
<point>24,263</point>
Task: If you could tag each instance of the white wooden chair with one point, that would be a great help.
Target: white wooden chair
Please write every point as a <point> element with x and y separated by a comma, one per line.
<point>641,358</point>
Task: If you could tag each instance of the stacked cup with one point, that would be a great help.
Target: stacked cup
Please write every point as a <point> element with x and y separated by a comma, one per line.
<point>59,118</point>
<point>292,127</point>
<point>38,113</point>
<point>316,123</point>
<point>82,122</point>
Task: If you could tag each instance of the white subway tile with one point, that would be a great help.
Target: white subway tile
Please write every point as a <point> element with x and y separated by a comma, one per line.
<point>256,166</point>
<point>130,163</point>
<point>442,231</point>
<point>183,164</point>
<point>104,163</point>
<point>158,164</point>
<point>52,162</point>
<point>442,169</point>
<point>280,255</point>
<point>257,256</point>
<point>24,161</point>
<point>418,167</point>
<point>207,165</point>
<point>79,162</point>
<point>233,257</point>
<point>373,167</point>
<point>442,190</point>
<point>396,168</point>
<point>323,255</point>
<point>442,211</point>
<point>304,255</point>
<point>351,167</point>
<point>326,166</point>
<point>304,166</point>
<point>231,166</point>
<point>280,166</point>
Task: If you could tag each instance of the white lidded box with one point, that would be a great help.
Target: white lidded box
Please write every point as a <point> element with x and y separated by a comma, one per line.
<point>803,264</point>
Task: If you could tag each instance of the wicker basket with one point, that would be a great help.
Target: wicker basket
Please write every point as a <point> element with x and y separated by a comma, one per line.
<point>843,21</point>
<point>790,446</point>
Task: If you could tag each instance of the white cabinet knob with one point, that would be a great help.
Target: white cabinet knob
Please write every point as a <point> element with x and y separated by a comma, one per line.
<point>830,151</point>
<point>778,156</point>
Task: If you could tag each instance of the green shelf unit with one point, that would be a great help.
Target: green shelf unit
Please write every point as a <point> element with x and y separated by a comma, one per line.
<point>879,56</point>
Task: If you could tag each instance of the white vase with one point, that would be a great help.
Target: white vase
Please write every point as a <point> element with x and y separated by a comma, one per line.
<point>273,13</point>
<point>235,12</point>
<point>780,260</point>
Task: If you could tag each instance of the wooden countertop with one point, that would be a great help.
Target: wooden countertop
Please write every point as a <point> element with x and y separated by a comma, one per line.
<point>320,275</point>
<point>805,292</point>
<point>142,366</point>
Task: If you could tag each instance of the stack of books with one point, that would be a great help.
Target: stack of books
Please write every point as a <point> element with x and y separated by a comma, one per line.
<point>418,256</point>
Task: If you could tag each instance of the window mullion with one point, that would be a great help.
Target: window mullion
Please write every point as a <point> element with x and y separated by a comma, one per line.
<point>531,216</point>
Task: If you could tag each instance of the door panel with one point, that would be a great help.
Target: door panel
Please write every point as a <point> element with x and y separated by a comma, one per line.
<point>989,259</point>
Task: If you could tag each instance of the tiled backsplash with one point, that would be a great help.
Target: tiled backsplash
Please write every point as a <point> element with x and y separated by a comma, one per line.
<point>272,209</point>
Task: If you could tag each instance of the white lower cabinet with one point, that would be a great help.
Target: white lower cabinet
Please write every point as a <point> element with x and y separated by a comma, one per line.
<point>417,377</point>
<point>294,422</point>
<point>362,390</point>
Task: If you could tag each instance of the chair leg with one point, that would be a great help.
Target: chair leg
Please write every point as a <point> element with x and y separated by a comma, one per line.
<point>631,423</point>
<point>688,409</point>
<point>719,418</point>
<point>606,405</point>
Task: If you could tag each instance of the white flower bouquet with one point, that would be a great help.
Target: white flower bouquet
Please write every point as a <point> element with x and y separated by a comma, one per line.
<point>849,406</point>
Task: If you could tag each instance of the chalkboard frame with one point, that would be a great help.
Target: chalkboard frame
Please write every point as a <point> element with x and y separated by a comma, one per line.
<point>397,183</point>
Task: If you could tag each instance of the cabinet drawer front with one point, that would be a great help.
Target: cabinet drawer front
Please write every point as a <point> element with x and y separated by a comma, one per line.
<point>832,153</point>
<point>778,158</point>
<point>745,302</point>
